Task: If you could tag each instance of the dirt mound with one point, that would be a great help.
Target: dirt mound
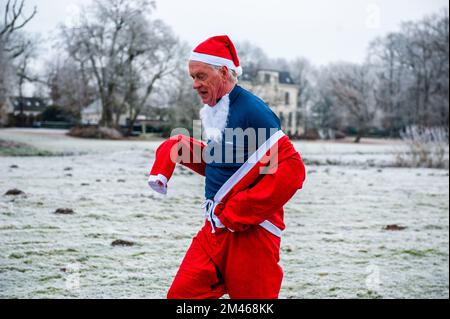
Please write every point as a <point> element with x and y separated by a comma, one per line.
<point>394,227</point>
<point>14,192</point>
<point>121,242</point>
<point>64,211</point>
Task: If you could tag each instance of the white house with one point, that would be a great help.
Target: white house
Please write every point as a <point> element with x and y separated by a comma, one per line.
<point>92,114</point>
<point>279,91</point>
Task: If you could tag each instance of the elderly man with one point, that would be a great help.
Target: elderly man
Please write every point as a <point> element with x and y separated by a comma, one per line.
<point>248,181</point>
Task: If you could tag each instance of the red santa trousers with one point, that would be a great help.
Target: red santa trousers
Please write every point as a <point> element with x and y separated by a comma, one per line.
<point>242,258</point>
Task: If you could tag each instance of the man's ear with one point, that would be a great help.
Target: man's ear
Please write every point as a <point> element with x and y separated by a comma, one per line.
<point>224,72</point>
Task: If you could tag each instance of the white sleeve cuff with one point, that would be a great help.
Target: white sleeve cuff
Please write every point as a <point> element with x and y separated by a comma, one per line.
<point>158,183</point>
<point>217,221</point>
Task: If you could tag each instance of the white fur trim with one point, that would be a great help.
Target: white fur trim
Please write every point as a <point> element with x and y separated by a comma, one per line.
<point>247,166</point>
<point>215,60</point>
<point>244,169</point>
<point>158,183</point>
<point>271,228</point>
<point>215,118</point>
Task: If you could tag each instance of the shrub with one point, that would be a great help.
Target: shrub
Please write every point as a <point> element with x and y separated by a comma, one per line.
<point>426,147</point>
<point>96,132</point>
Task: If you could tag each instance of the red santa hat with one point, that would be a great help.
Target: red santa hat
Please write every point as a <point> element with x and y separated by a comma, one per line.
<point>218,50</point>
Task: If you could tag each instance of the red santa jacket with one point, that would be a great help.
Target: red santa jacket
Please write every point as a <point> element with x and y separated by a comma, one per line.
<point>254,195</point>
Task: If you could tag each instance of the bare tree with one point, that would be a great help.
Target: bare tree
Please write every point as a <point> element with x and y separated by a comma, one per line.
<point>143,72</point>
<point>126,53</point>
<point>326,115</point>
<point>302,73</point>
<point>252,57</point>
<point>12,44</point>
<point>353,88</point>
<point>14,18</point>
<point>70,86</point>
<point>412,67</point>
<point>392,80</point>
<point>23,63</point>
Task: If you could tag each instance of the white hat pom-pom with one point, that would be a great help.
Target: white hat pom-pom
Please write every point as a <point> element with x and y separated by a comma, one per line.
<point>239,71</point>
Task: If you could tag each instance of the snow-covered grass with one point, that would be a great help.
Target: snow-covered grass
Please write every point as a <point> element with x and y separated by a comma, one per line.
<point>335,245</point>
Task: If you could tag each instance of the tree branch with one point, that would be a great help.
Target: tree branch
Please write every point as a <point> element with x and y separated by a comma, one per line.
<point>10,24</point>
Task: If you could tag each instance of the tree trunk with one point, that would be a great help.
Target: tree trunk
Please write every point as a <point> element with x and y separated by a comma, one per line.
<point>131,123</point>
<point>106,119</point>
<point>359,135</point>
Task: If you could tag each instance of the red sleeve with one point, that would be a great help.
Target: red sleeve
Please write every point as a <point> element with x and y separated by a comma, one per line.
<point>257,203</point>
<point>195,149</point>
<point>179,149</point>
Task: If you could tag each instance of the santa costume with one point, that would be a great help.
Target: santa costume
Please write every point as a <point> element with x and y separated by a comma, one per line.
<point>237,250</point>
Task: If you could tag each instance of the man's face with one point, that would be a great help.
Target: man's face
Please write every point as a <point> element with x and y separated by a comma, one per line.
<point>208,82</point>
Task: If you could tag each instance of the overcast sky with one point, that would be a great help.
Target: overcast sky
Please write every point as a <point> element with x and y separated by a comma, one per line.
<point>320,30</point>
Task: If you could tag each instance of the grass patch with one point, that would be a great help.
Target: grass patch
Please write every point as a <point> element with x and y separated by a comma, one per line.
<point>49,278</point>
<point>8,148</point>
<point>421,253</point>
<point>16,256</point>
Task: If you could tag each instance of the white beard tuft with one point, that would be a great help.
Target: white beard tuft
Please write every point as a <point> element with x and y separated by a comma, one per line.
<point>215,118</point>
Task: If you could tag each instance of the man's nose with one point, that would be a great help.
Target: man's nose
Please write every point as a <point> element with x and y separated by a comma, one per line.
<point>196,85</point>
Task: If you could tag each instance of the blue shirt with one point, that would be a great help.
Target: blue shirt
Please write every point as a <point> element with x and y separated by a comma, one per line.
<point>253,123</point>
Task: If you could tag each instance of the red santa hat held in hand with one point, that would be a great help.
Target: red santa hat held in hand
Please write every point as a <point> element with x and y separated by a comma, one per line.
<point>219,51</point>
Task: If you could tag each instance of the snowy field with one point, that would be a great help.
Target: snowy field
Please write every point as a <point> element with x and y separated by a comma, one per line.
<point>335,244</point>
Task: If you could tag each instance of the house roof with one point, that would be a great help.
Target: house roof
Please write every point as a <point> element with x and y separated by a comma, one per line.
<point>93,108</point>
<point>284,77</point>
<point>35,104</point>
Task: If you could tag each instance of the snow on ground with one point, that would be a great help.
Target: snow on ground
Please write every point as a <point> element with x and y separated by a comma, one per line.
<point>334,245</point>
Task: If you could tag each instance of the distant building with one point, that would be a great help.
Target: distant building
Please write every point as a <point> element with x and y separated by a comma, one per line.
<point>92,114</point>
<point>26,109</point>
<point>280,92</point>
<point>145,123</point>
<point>6,108</point>
<point>30,106</point>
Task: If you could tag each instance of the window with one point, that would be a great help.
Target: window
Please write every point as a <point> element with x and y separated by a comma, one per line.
<point>281,118</point>
<point>299,117</point>
<point>287,98</point>
<point>290,119</point>
<point>266,78</point>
